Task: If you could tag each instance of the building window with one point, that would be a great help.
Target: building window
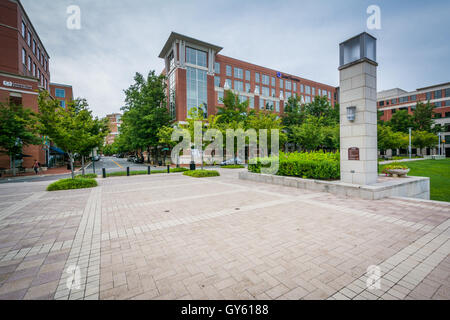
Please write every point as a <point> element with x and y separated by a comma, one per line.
<point>447,92</point>
<point>394,101</point>
<point>242,99</point>
<point>228,71</point>
<point>257,89</point>
<point>62,103</point>
<point>172,96</point>
<point>171,59</point>
<point>247,87</point>
<point>34,46</point>
<point>238,85</point>
<point>307,99</point>
<point>252,102</point>
<point>272,93</point>
<point>60,93</point>
<point>438,94</point>
<point>428,95</point>
<point>46,84</point>
<point>220,97</point>
<point>413,98</point>
<point>29,39</point>
<point>295,86</point>
<point>29,63</point>
<point>447,114</point>
<point>217,81</point>
<point>46,65</point>
<point>265,91</point>
<point>281,83</point>
<point>24,28</point>
<point>313,91</point>
<point>288,95</point>
<point>381,103</point>
<point>403,99</point>
<point>24,57</point>
<point>257,77</point>
<point>438,115</point>
<point>277,106</point>
<point>196,57</point>
<point>39,73</point>
<point>281,94</point>
<point>247,75</point>
<point>273,81</point>
<point>265,79</point>
<point>227,85</point>
<point>301,88</point>
<point>196,90</point>
<point>217,67</point>
<point>329,95</point>
<point>238,73</point>
<point>34,69</point>
<point>288,85</point>
<point>308,90</point>
<point>38,55</point>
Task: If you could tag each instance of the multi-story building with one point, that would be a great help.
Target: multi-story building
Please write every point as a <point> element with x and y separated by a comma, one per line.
<point>197,76</point>
<point>390,101</point>
<point>24,71</point>
<point>114,125</point>
<point>61,92</point>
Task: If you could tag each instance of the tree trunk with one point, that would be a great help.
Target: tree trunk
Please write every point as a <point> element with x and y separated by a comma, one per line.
<point>14,164</point>
<point>82,165</point>
<point>71,166</point>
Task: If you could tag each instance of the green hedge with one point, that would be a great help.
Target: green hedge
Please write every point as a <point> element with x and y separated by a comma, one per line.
<point>233,166</point>
<point>87,176</point>
<point>67,184</point>
<point>201,173</point>
<point>142,172</point>
<point>308,165</point>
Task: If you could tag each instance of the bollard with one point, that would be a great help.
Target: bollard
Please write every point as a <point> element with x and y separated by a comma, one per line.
<point>128,171</point>
<point>104,172</point>
<point>168,168</point>
<point>148,170</point>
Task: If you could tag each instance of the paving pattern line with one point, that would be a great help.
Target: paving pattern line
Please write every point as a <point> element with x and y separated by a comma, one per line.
<point>6,212</point>
<point>62,215</point>
<point>81,276</point>
<point>155,188</point>
<point>405,270</point>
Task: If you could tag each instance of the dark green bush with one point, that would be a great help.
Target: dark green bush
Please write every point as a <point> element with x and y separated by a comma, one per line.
<point>201,173</point>
<point>141,172</point>
<point>307,165</point>
<point>233,166</point>
<point>67,184</point>
<point>87,176</point>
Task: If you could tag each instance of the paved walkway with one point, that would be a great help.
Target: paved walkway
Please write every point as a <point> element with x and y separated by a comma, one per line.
<point>175,237</point>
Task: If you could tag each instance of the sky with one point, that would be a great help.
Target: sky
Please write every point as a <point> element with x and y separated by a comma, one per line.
<point>118,38</point>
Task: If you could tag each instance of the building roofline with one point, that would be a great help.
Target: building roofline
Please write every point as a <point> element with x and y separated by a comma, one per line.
<point>173,36</point>
<point>285,73</point>
<point>32,26</point>
<point>434,86</point>
<point>60,84</point>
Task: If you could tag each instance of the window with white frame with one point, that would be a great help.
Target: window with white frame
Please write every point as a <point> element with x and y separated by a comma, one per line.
<point>265,79</point>
<point>29,63</point>
<point>313,93</point>
<point>272,93</point>
<point>247,87</point>
<point>217,67</point>
<point>228,84</point>
<point>238,73</point>
<point>196,57</point>
<point>277,106</point>
<point>295,86</point>
<point>228,71</point>
<point>265,91</point>
<point>288,85</point>
<point>281,83</point>
<point>24,30</point>
<point>301,88</point>
<point>220,97</point>
<point>238,85</point>
<point>308,90</point>
<point>24,56</point>
<point>217,81</point>
<point>257,77</point>
<point>273,81</point>
<point>29,39</point>
<point>252,102</point>
<point>247,75</point>
<point>257,91</point>
<point>288,94</point>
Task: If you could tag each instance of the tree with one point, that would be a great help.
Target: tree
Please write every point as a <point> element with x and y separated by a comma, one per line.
<point>423,116</point>
<point>17,129</point>
<point>309,134</point>
<point>294,113</point>
<point>401,121</point>
<point>145,111</point>
<point>320,107</point>
<point>233,109</point>
<point>423,139</point>
<point>165,139</point>
<point>388,139</point>
<point>73,129</point>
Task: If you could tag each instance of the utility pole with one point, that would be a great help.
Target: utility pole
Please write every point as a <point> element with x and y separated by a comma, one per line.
<point>409,147</point>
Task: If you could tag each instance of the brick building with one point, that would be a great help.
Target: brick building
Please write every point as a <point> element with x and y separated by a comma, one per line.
<point>393,100</point>
<point>114,124</point>
<point>198,75</point>
<point>61,92</point>
<point>24,71</point>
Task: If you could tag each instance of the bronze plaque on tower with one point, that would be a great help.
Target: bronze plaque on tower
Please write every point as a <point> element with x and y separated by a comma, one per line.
<point>353,153</point>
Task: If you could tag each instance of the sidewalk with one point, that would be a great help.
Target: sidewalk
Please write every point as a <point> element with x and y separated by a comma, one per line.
<point>51,171</point>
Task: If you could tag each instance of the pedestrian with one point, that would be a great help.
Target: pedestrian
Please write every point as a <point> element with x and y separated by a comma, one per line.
<point>36,166</point>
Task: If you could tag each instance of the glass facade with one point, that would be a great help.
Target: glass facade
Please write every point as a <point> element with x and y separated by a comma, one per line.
<point>172,110</point>
<point>196,89</point>
<point>60,93</point>
<point>196,57</point>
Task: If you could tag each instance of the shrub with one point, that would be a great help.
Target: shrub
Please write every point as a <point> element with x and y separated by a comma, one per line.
<point>142,172</point>
<point>67,184</point>
<point>87,176</point>
<point>307,165</point>
<point>233,166</point>
<point>201,173</point>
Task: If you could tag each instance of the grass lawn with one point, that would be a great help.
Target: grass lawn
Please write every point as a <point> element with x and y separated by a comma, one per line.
<point>439,173</point>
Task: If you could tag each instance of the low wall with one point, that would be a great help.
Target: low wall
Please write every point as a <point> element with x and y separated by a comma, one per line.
<point>411,187</point>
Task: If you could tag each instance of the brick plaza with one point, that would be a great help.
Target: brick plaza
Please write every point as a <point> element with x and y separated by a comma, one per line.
<point>175,237</point>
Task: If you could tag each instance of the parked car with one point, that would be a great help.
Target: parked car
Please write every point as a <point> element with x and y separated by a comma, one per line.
<point>138,160</point>
<point>96,158</point>
<point>235,160</point>
<point>131,158</point>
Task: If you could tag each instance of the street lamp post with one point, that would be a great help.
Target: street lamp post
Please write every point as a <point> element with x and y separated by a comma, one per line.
<point>93,161</point>
<point>409,147</point>
<point>439,144</point>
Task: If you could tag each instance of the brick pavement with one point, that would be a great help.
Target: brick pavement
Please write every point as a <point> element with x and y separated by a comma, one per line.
<point>176,237</point>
